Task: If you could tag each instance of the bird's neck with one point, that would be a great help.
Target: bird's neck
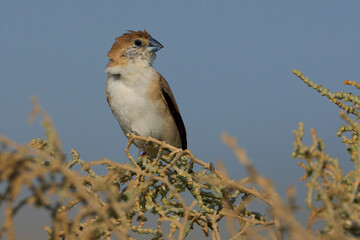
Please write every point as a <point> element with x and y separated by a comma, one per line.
<point>133,73</point>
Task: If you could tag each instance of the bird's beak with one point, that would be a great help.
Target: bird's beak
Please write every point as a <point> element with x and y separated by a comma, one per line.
<point>154,45</point>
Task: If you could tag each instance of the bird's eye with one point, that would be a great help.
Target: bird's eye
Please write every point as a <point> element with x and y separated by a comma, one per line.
<point>137,43</point>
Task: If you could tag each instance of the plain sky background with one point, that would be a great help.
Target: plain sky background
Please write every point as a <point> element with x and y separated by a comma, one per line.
<point>228,63</point>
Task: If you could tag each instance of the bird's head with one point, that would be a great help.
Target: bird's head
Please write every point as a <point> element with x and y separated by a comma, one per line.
<point>133,46</point>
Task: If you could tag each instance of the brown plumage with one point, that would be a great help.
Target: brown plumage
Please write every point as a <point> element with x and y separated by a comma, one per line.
<point>174,109</point>
<point>124,42</point>
<point>139,97</point>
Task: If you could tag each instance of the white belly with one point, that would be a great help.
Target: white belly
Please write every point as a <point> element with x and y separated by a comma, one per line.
<point>132,110</point>
<point>137,112</point>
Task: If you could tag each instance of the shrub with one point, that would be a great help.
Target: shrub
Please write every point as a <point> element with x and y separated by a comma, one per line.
<point>84,204</point>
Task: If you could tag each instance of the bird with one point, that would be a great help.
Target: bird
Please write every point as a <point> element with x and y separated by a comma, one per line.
<point>139,97</point>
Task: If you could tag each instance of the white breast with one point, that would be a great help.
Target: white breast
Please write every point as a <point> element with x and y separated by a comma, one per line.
<point>130,103</point>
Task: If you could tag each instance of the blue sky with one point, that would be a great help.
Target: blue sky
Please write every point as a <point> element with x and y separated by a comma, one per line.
<point>228,63</point>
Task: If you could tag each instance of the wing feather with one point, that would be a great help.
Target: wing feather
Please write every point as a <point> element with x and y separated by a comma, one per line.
<point>174,110</point>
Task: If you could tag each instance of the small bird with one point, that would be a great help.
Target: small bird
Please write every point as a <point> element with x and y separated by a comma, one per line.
<point>139,97</point>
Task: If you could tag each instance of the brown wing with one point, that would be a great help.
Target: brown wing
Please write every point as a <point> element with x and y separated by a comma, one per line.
<point>174,110</point>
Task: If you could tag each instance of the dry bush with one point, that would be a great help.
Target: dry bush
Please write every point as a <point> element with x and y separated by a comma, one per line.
<point>83,204</point>
<point>333,196</point>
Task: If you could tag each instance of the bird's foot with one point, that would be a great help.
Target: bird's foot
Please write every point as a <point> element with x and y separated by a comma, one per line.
<point>135,133</point>
<point>142,151</point>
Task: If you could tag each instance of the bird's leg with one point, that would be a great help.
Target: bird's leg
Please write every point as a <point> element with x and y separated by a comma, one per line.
<point>135,133</point>
<point>142,151</point>
<point>149,149</point>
